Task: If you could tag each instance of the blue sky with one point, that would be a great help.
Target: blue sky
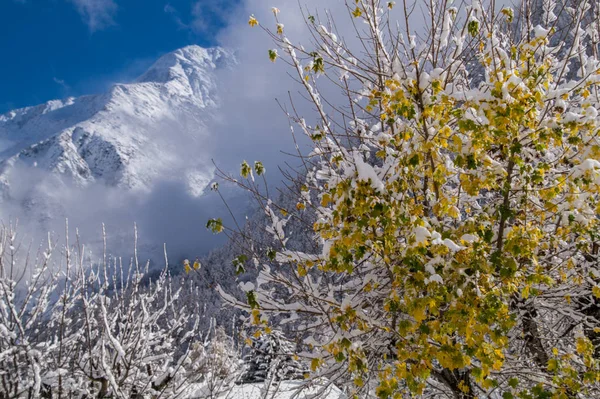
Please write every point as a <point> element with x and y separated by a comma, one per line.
<point>59,48</point>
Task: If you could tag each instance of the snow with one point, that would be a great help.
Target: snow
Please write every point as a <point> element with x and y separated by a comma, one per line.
<point>120,137</point>
<point>435,278</point>
<point>468,238</point>
<point>284,390</point>
<point>452,246</point>
<point>247,286</point>
<point>540,31</point>
<point>421,234</point>
<point>366,172</point>
<point>446,26</point>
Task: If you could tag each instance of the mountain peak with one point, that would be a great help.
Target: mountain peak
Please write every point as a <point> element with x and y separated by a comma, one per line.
<point>127,137</point>
<point>187,63</point>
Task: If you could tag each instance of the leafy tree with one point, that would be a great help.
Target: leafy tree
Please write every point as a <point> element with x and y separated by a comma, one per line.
<point>456,197</point>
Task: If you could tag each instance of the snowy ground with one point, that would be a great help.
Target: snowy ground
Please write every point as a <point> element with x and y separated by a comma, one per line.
<point>285,390</point>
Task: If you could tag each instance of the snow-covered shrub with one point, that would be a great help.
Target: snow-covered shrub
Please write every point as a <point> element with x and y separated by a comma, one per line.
<point>70,327</point>
<point>456,190</point>
<point>214,363</point>
<point>23,314</point>
<point>272,357</point>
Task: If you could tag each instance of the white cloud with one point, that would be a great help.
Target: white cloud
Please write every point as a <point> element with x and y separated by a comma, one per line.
<point>97,14</point>
<point>260,129</point>
<point>174,13</point>
<point>61,83</point>
<point>204,15</point>
<point>208,14</point>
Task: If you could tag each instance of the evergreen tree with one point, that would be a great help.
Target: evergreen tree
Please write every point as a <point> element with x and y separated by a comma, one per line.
<point>271,356</point>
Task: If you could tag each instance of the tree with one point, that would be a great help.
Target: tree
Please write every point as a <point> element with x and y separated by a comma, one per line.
<point>456,199</point>
<point>271,357</point>
<point>73,329</point>
<point>215,363</point>
<point>22,311</point>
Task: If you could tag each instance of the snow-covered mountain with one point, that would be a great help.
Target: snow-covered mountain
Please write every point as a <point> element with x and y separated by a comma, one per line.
<point>127,137</point>
<point>141,152</point>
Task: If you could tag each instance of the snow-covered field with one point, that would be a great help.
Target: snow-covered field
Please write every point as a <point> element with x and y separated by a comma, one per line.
<point>283,390</point>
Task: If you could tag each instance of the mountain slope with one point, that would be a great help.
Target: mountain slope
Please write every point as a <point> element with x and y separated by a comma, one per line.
<point>128,137</point>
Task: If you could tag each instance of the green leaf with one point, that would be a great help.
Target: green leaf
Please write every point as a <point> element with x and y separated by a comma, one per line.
<point>238,263</point>
<point>473,28</point>
<point>259,168</point>
<point>509,13</point>
<point>273,55</point>
<point>318,64</point>
<point>245,170</point>
<point>215,225</point>
<point>251,297</point>
<point>414,160</point>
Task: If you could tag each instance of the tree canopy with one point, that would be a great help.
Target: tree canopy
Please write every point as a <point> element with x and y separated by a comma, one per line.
<point>456,198</point>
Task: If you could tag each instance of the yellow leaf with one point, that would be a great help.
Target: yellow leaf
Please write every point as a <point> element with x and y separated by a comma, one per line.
<point>314,364</point>
<point>454,212</point>
<point>301,271</point>
<point>582,345</point>
<point>419,314</point>
<point>252,21</point>
<point>357,13</point>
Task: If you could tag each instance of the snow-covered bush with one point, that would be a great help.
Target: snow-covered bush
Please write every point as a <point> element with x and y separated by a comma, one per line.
<point>70,327</point>
<point>272,358</point>
<point>23,314</point>
<point>214,364</point>
<point>456,190</point>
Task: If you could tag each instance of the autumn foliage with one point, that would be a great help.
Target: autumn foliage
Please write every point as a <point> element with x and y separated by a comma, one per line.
<point>456,197</point>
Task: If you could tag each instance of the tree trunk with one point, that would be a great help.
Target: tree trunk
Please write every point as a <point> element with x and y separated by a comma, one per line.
<point>459,382</point>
